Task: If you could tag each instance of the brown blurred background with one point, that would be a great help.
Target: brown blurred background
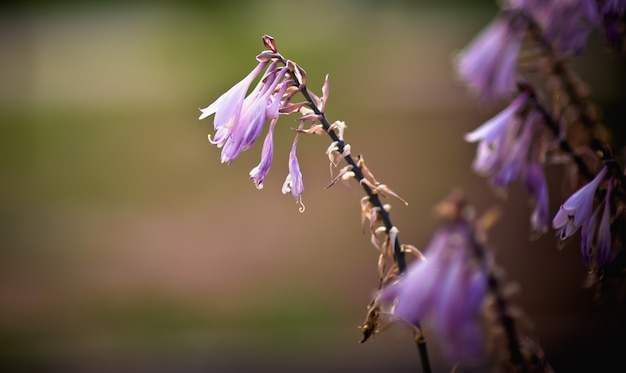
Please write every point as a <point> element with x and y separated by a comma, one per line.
<point>127,247</point>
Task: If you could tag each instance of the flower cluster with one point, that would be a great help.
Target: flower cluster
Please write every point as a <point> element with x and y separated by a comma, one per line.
<point>448,288</point>
<point>489,63</point>
<point>577,212</point>
<point>517,142</point>
<point>509,147</point>
<point>240,116</point>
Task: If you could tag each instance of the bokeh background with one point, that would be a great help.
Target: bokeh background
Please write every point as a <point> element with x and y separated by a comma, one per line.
<point>125,246</point>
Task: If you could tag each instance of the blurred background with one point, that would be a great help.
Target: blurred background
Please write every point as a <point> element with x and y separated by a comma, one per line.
<point>125,246</point>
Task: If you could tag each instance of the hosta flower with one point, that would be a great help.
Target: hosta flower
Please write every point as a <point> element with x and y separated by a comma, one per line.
<point>242,134</point>
<point>488,63</point>
<point>598,245</point>
<point>240,118</point>
<point>496,136</point>
<point>537,187</point>
<point>564,23</point>
<point>603,245</point>
<point>587,235</point>
<point>258,173</point>
<point>448,288</point>
<point>516,155</point>
<point>577,209</point>
<point>227,108</point>
<point>293,183</point>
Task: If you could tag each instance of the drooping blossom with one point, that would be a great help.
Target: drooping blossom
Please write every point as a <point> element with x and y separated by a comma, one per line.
<point>578,208</point>
<point>536,185</point>
<point>240,117</point>
<point>587,235</point>
<point>565,24</point>
<point>603,244</point>
<point>242,134</point>
<point>227,108</point>
<point>293,182</point>
<point>258,173</point>
<point>448,288</point>
<point>597,245</point>
<point>496,137</point>
<point>489,63</point>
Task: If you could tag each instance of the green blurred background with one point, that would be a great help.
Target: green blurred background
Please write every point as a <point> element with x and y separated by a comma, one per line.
<point>127,247</point>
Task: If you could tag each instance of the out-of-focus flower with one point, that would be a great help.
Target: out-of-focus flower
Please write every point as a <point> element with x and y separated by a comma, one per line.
<point>537,187</point>
<point>488,64</point>
<point>496,137</point>
<point>564,23</point>
<point>603,245</point>
<point>612,12</point>
<point>578,207</point>
<point>587,234</point>
<point>449,287</point>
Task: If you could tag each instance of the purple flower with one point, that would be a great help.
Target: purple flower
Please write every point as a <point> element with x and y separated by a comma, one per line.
<point>537,187</point>
<point>565,23</point>
<point>293,182</point>
<point>516,155</point>
<point>227,108</point>
<point>448,287</point>
<point>577,209</point>
<point>242,134</point>
<point>488,63</point>
<point>587,233</point>
<point>603,249</point>
<point>496,136</point>
<point>258,173</point>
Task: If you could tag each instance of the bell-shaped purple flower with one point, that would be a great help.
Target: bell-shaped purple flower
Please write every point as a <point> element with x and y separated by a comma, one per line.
<point>587,234</point>
<point>449,288</point>
<point>227,108</point>
<point>258,173</point>
<point>564,23</point>
<point>516,155</point>
<point>577,209</point>
<point>293,182</point>
<point>261,101</point>
<point>537,187</point>
<point>488,63</point>
<point>603,245</point>
<point>495,136</point>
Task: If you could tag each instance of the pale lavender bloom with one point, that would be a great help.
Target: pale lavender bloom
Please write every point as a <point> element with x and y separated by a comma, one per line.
<point>603,245</point>
<point>258,173</point>
<point>449,288</point>
<point>243,133</point>
<point>577,209</point>
<point>537,187</point>
<point>565,23</point>
<point>227,107</point>
<point>495,137</point>
<point>587,233</point>
<point>293,183</point>
<point>516,156</point>
<point>488,63</point>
